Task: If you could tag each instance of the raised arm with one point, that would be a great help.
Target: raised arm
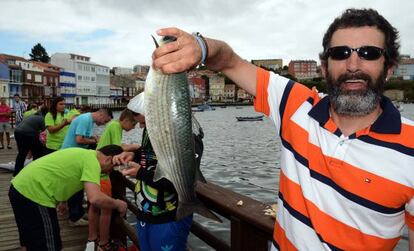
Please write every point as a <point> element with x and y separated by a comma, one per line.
<point>185,53</point>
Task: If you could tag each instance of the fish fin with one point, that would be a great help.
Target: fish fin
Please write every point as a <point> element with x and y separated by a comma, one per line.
<point>186,209</point>
<point>199,175</point>
<point>159,174</point>
<point>155,41</point>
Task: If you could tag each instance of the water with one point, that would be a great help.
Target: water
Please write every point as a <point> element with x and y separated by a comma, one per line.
<point>241,156</point>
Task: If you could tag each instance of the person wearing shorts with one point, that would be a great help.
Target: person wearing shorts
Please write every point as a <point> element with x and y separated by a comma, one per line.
<point>5,112</point>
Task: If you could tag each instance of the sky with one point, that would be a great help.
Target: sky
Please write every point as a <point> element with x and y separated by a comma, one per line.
<point>118,32</point>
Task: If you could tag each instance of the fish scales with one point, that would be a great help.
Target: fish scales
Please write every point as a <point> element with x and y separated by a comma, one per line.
<point>169,123</point>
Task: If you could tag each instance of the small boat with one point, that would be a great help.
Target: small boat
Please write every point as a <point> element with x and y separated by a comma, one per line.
<point>206,107</point>
<point>255,118</point>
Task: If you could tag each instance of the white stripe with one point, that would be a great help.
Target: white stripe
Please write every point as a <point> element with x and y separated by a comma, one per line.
<point>298,233</point>
<point>276,88</point>
<point>332,203</point>
<point>407,121</point>
<point>393,164</point>
<point>48,227</point>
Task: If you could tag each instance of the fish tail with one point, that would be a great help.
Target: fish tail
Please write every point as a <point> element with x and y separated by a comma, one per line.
<point>186,209</point>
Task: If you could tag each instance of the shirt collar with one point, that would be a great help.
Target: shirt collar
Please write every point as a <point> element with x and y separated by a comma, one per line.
<point>389,122</point>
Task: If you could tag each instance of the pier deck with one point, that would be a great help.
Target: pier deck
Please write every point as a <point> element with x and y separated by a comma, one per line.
<point>73,239</point>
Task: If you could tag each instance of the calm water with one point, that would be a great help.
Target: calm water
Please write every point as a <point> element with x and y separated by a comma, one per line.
<point>241,156</point>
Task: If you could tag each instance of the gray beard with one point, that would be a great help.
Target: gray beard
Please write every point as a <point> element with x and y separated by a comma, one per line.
<point>354,104</point>
<point>359,102</point>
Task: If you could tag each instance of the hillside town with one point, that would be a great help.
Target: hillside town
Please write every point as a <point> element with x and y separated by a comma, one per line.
<point>82,81</point>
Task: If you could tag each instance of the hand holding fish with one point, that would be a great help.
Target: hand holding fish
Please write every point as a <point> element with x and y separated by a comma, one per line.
<point>178,56</point>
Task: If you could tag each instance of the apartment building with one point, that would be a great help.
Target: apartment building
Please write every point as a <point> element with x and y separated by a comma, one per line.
<point>303,69</point>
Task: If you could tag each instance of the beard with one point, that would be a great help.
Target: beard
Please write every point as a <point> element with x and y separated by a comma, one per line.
<point>355,103</point>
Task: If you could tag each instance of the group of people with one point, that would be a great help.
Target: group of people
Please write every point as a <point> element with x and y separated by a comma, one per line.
<point>73,161</point>
<point>19,108</point>
<point>345,180</point>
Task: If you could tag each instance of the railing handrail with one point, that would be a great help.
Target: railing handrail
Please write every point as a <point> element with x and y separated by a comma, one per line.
<point>250,228</point>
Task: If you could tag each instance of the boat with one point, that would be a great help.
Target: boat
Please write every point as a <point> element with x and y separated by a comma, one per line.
<point>205,107</point>
<point>255,118</point>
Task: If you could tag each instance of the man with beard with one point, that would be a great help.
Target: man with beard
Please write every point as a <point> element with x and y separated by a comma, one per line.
<point>346,181</point>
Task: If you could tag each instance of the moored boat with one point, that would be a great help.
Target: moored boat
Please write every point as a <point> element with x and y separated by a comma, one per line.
<point>254,118</point>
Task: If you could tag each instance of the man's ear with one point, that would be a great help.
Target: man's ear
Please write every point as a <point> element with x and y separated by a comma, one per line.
<point>390,72</point>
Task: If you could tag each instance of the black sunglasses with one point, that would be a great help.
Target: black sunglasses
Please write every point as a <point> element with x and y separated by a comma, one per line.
<point>364,52</point>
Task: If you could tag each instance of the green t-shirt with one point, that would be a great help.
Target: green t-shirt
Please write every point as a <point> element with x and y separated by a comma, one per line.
<point>54,140</point>
<point>112,135</point>
<point>28,113</point>
<point>72,112</point>
<point>57,176</point>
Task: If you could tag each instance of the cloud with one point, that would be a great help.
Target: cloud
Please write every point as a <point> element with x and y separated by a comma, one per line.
<point>117,32</point>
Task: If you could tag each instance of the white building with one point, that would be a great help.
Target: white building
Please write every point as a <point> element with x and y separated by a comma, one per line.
<point>122,70</point>
<point>102,85</point>
<point>89,89</point>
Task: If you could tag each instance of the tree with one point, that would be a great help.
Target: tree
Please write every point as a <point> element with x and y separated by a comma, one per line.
<point>39,54</point>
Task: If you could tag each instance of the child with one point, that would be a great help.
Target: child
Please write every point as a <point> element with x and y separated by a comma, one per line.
<point>112,135</point>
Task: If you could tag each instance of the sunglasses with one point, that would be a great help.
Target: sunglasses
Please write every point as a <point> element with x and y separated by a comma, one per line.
<point>364,52</point>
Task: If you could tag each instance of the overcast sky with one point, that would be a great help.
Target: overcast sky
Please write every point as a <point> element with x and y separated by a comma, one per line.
<point>117,32</point>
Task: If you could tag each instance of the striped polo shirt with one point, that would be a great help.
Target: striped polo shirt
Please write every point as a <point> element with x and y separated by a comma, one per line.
<point>337,192</point>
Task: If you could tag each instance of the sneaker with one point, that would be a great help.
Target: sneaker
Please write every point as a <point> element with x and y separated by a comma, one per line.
<point>79,223</point>
<point>85,216</point>
<point>90,246</point>
<point>1,147</point>
<point>9,147</point>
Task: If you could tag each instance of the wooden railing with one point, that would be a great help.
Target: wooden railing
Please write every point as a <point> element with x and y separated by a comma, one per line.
<point>250,229</point>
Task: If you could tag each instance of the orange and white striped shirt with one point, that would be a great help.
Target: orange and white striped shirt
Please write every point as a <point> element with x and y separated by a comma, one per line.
<point>337,192</point>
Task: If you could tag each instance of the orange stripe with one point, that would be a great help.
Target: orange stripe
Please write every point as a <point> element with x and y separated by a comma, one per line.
<point>406,140</point>
<point>357,181</point>
<point>262,83</point>
<point>365,184</point>
<point>331,230</point>
<point>330,125</point>
<point>280,237</point>
<point>409,220</point>
<point>292,193</point>
<point>298,95</point>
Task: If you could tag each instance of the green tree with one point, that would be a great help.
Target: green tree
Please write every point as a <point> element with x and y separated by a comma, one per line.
<point>39,54</point>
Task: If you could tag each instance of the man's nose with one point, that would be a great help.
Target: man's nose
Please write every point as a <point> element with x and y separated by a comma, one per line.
<point>353,63</point>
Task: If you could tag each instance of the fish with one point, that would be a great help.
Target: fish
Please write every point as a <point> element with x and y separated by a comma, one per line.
<point>168,118</point>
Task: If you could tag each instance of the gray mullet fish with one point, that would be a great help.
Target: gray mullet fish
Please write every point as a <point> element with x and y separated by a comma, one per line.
<point>169,123</point>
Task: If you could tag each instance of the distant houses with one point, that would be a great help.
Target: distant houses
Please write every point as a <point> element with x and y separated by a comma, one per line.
<point>81,81</point>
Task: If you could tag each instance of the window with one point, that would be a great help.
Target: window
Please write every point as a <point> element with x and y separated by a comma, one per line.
<point>79,77</point>
<point>29,76</point>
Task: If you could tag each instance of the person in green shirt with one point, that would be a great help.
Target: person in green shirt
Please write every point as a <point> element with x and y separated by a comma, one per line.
<point>73,112</point>
<point>36,191</point>
<point>31,109</point>
<point>56,124</point>
<point>112,135</point>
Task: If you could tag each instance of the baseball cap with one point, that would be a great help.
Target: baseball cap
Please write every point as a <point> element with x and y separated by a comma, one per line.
<point>137,104</point>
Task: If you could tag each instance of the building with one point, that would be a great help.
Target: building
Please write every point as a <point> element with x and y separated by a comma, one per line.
<point>405,69</point>
<point>122,70</point>
<point>303,69</point>
<point>197,89</point>
<point>141,69</point>
<point>102,85</point>
<point>216,88</point>
<point>271,64</point>
<point>67,86</point>
<point>229,93</point>
<point>4,81</point>
<point>51,75</point>
<point>89,89</point>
